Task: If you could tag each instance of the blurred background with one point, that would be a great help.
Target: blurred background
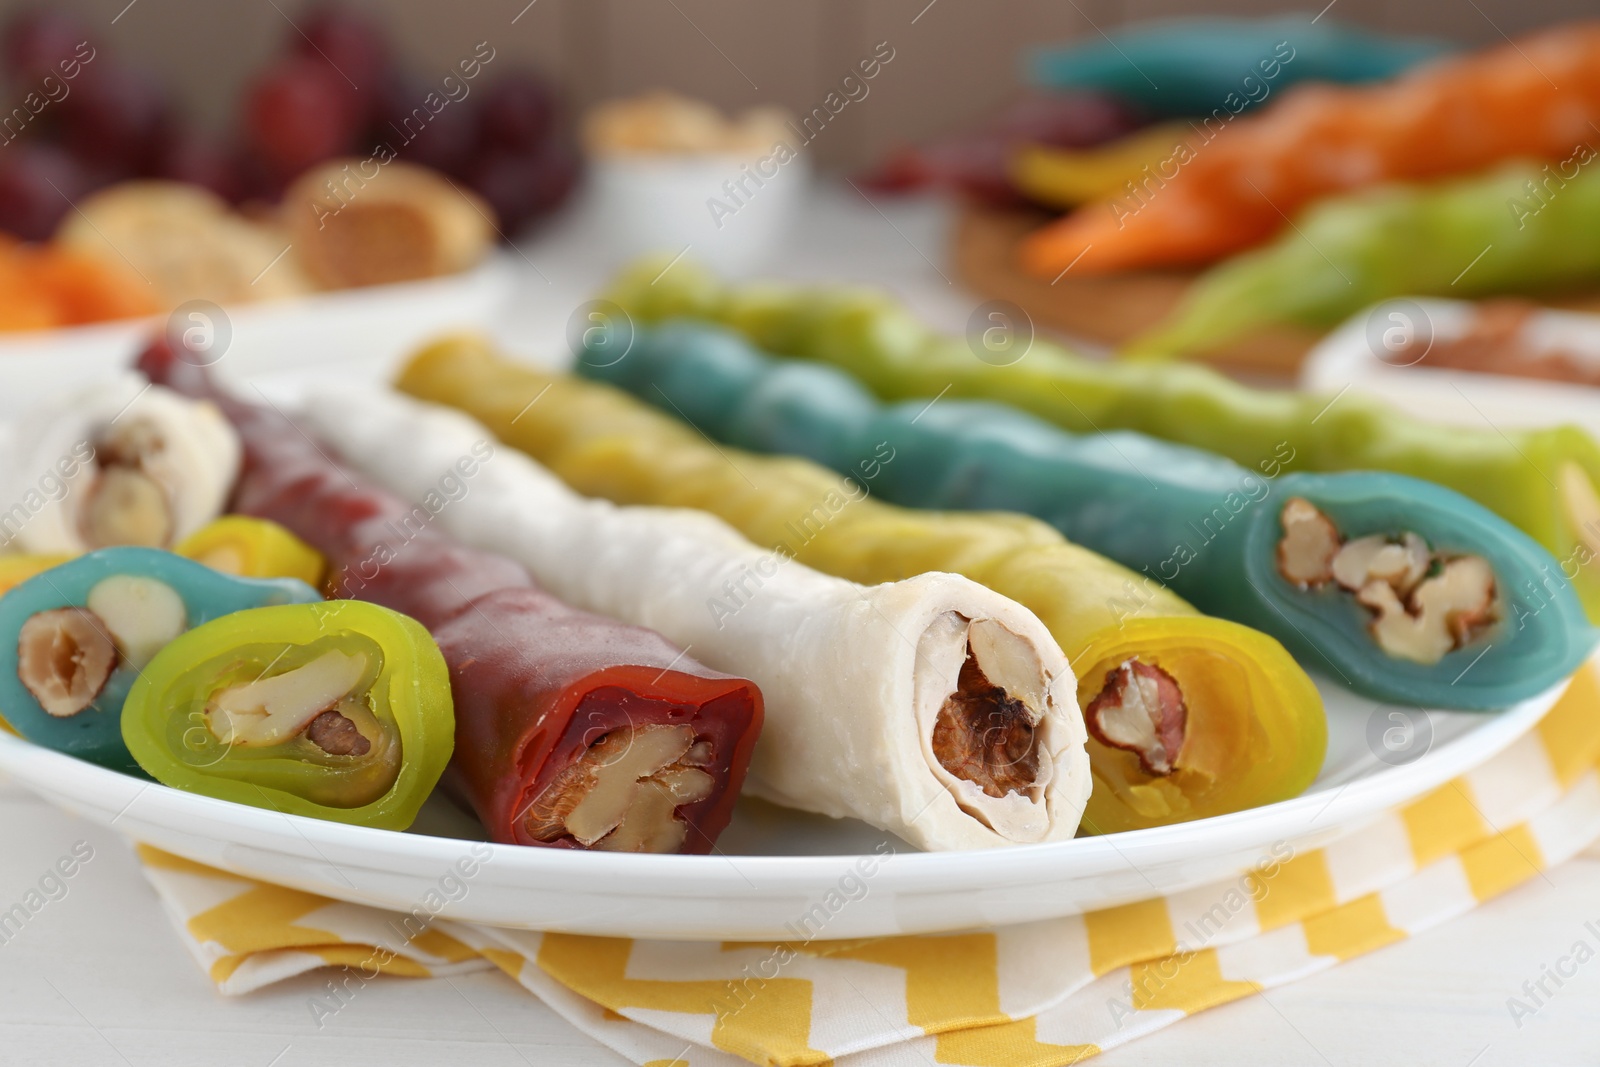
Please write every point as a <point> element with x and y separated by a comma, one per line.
<point>953,64</point>
<point>1234,176</point>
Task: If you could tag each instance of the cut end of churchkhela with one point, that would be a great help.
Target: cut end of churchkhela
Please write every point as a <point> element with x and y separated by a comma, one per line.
<point>66,655</point>
<point>985,706</point>
<point>141,464</point>
<point>623,793</point>
<point>657,772</point>
<point>1425,604</point>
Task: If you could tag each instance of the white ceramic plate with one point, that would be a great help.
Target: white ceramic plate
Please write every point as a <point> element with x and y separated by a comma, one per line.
<point>774,867</point>
<point>1355,357</point>
<point>781,875</point>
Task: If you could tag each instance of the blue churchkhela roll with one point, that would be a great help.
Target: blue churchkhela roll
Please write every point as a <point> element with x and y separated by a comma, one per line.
<point>1403,590</point>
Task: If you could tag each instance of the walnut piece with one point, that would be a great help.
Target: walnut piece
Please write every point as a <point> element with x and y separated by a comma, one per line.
<point>1401,564</point>
<point>622,794</point>
<point>1426,604</point>
<point>1141,710</point>
<point>270,711</point>
<point>986,736</point>
<point>64,658</point>
<point>1310,543</point>
<point>337,734</point>
<point>1445,612</point>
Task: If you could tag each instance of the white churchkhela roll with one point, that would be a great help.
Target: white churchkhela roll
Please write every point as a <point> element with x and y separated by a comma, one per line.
<point>933,707</point>
<point>122,462</point>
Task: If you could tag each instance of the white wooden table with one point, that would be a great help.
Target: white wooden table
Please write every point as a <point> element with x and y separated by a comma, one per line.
<point>97,977</point>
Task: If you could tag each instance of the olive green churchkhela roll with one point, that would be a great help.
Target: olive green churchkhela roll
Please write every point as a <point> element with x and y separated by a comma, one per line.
<point>1351,251</point>
<point>1191,716</point>
<point>1404,591</point>
<point>1541,481</point>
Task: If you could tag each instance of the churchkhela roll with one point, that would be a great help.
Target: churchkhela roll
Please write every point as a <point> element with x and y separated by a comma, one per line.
<point>123,462</point>
<point>337,710</point>
<point>74,638</point>
<point>572,730</point>
<point>1407,592</point>
<point>1543,481</point>
<point>1193,716</point>
<point>931,707</point>
<point>239,544</point>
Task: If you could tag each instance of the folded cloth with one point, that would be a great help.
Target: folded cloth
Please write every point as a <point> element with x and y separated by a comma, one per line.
<point>1037,995</point>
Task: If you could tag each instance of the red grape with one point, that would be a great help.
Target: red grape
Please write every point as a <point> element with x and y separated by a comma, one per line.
<point>446,141</point>
<point>298,113</point>
<point>35,42</point>
<point>517,113</point>
<point>112,117</point>
<point>351,42</point>
<point>36,185</point>
<point>522,186</point>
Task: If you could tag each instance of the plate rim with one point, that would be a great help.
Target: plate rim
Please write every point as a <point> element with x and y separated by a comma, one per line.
<point>678,875</point>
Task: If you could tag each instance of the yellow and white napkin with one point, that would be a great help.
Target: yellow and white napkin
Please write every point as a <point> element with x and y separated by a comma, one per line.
<point>1037,995</point>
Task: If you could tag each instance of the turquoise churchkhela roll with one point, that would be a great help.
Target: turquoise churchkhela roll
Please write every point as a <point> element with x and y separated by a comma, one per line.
<point>95,732</point>
<point>1197,522</point>
<point>1198,66</point>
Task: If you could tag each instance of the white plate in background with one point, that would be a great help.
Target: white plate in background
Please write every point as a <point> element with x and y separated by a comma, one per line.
<point>373,326</point>
<point>1354,356</point>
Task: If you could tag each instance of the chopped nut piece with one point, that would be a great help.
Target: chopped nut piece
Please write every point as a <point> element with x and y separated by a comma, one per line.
<point>127,507</point>
<point>687,784</point>
<point>1377,558</point>
<point>142,615</point>
<point>1445,612</point>
<point>649,825</point>
<point>1419,618</point>
<point>64,658</point>
<point>623,793</point>
<point>270,711</point>
<point>985,736</point>
<point>336,734</point>
<point>1309,544</point>
<point>1141,710</point>
<point>131,444</point>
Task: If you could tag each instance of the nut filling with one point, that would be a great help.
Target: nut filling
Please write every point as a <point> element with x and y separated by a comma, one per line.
<point>316,701</point>
<point>1425,604</point>
<point>985,736</point>
<point>623,793</point>
<point>64,658</point>
<point>1141,710</point>
<point>127,505</point>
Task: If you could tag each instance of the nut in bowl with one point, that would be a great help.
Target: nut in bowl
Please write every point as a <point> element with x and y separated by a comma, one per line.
<point>671,173</point>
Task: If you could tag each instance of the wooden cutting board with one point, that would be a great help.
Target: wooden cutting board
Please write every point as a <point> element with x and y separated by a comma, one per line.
<point>1111,310</point>
<point>1107,310</point>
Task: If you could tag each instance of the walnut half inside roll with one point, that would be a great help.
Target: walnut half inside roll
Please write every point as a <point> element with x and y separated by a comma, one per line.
<point>985,708</point>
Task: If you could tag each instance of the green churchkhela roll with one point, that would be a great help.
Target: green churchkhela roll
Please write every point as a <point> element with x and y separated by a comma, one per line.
<point>1545,481</point>
<point>1405,591</point>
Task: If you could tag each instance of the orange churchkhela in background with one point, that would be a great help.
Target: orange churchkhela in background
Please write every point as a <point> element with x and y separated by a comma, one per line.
<point>1538,98</point>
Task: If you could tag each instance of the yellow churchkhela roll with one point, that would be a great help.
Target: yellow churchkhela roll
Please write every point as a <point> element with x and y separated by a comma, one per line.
<point>1189,716</point>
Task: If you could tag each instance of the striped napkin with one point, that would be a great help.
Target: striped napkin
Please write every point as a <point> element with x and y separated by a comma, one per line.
<point>1037,995</point>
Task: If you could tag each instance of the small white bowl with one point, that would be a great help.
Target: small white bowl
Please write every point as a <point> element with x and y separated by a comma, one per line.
<point>728,211</point>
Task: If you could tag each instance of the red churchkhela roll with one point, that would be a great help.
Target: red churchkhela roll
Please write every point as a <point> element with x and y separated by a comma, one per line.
<point>572,730</point>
